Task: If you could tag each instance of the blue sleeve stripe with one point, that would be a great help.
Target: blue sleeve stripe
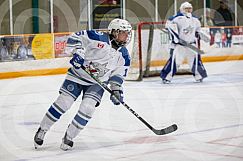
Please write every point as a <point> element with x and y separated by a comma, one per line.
<point>80,120</point>
<point>99,36</point>
<point>127,60</point>
<point>73,41</point>
<point>126,56</point>
<point>54,112</point>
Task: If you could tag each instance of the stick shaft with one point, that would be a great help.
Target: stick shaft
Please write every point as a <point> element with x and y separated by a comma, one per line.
<point>104,86</point>
<point>163,131</point>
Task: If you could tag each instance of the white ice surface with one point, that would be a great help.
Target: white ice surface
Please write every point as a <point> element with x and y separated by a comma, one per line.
<point>208,115</point>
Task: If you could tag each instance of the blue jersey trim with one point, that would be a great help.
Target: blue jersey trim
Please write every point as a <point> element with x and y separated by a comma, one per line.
<point>73,41</point>
<point>99,36</point>
<point>177,15</point>
<point>126,56</point>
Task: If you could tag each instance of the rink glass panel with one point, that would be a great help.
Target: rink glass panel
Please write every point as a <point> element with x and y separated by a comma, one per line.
<point>4,18</point>
<point>142,10</point>
<point>22,17</point>
<point>240,12</point>
<point>165,9</point>
<point>70,16</point>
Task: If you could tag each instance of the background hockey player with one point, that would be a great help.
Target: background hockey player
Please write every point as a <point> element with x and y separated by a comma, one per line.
<point>106,56</point>
<point>184,26</point>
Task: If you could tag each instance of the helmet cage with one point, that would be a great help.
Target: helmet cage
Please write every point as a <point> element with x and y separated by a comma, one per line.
<point>184,6</point>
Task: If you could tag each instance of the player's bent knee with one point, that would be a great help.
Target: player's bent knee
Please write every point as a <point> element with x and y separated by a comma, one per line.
<point>88,106</point>
<point>64,101</point>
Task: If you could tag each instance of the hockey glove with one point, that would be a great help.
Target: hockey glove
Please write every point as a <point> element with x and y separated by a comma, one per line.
<point>77,61</point>
<point>116,96</point>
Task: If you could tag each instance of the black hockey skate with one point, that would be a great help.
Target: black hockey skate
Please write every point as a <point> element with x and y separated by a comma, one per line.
<point>39,137</point>
<point>199,80</point>
<point>67,143</point>
<point>165,81</point>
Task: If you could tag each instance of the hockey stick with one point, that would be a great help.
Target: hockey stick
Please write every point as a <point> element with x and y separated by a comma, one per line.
<point>184,43</point>
<point>192,47</point>
<point>163,131</point>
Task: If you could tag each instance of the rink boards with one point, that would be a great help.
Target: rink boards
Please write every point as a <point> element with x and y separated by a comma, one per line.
<point>51,59</point>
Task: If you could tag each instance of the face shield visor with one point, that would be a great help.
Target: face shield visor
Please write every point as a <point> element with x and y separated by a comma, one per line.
<point>186,9</point>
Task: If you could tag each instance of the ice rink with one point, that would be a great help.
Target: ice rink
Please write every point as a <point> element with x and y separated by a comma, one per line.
<point>209,116</point>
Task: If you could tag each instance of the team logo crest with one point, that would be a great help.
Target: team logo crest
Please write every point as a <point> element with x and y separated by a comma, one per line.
<point>188,30</point>
<point>70,87</point>
<point>98,69</point>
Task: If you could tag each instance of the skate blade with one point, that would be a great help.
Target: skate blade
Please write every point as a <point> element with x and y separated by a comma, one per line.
<point>36,146</point>
<point>65,147</point>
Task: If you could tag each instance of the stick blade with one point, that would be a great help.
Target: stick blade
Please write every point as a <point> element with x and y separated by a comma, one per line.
<point>166,130</point>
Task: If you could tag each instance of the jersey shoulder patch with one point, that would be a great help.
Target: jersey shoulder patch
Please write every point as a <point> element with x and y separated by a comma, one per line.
<point>126,56</point>
<point>99,36</point>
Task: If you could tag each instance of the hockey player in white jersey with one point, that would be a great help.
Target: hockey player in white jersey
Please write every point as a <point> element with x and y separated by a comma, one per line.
<point>184,26</point>
<point>106,56</point>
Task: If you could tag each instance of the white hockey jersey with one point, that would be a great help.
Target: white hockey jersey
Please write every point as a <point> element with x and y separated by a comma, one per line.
<point>186,28</point>
<point>96,48</point>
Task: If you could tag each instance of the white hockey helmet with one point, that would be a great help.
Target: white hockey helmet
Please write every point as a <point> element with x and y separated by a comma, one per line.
<point>117,25</point>
<point>184,6</point>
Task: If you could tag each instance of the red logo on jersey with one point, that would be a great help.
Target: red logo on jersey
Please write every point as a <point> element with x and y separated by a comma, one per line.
<point>100,45</point>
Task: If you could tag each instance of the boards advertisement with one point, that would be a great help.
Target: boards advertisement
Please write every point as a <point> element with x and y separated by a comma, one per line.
<point>16,48</point>
<point>60,41</point>
<point>26,47</point>
<point>224,41</point>
<point>42,46</point>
